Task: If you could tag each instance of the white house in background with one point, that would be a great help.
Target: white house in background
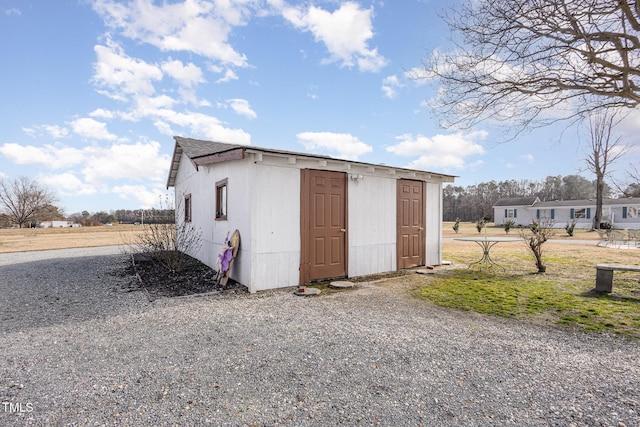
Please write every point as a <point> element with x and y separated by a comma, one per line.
<point>305,217</point>
<point>57,224</point>
<point>621,213</point>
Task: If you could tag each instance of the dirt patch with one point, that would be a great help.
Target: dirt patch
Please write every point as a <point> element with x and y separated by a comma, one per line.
<point>158,281</point>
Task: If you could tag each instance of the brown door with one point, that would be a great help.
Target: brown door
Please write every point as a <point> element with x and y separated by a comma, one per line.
<point>323,225</point>
<point>411,216</point>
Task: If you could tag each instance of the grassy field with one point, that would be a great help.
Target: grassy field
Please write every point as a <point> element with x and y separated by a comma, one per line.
<point>561,296</point>
<point>37,239</point>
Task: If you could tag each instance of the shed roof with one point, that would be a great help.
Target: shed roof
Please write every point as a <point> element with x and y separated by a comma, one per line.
<point>212,151</point>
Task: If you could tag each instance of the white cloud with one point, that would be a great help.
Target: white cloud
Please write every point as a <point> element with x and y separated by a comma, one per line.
<point>138,161</point>
<point>120,75</point>
<point>13,11</point>
<point>528,158</point>
<point>196,26</point>
<point>186,75</point>
<point>630,124</point>
<point>146,198</point>
<point>440,151</point>
<point>389,86</point>
<point>67,184</point>
<point>419,75</point>
<point>52,156</point>
<point>54,131</point>
<point>229,75</point>
<point>91,129</point>
<point>242,107</point>
<point>345,33</point>
<point>101,113</point>
<point>200,124</point>
<point>345,145</point>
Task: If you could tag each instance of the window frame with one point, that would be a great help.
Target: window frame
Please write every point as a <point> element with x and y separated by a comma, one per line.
<point>580,213</point>
<point>222,198</point>
<point>188,212</point>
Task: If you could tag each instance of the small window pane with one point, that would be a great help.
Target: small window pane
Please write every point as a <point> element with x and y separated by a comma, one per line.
<point>221,199</point>
<point>187,208</point>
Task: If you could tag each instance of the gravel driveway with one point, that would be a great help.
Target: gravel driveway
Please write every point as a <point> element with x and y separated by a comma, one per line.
<point>77,349</point>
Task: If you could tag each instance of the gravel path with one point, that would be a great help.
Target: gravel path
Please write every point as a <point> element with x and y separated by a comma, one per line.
<point>77,349</point>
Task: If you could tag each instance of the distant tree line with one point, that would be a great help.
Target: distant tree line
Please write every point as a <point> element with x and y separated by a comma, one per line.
<point>124,216</point>
<point>476,202</point>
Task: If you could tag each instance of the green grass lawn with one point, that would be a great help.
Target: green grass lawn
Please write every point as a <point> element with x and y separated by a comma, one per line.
<point>562,296</point>
<point>538,298</point>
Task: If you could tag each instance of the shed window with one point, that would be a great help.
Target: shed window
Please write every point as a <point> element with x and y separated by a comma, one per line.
<point>579,213</point>
<point>510,213</point>
<point>187,208</point>
<point>221,199</point>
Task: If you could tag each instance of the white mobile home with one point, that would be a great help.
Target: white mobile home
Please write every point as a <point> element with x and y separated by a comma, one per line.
<point>305,217</point>
<point>621,213</point>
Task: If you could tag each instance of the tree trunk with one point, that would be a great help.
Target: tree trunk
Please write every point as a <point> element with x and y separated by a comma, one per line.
<point>597,217</point>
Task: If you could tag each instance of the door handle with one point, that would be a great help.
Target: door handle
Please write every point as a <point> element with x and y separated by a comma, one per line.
<point>421,228</point>
<point>344,230</point>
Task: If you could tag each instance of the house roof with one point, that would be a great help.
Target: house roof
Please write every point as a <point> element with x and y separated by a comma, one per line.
<point>516,201</point>
<point>534,202</point>
<point>207,152</point>
<point>626,201</point>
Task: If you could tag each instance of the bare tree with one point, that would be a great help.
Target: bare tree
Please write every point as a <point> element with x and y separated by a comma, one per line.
<point>533,62</point>
<point>603,152</point>
<point>166,240</point>
<point>22,198</point>
<point>538,233</point>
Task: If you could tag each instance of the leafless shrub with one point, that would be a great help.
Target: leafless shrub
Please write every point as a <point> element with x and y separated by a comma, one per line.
<point>165,240</point>
<point>538,232</point>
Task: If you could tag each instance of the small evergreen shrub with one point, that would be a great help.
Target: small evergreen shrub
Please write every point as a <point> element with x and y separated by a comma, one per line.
<point>456,225</point>
<point>570,227</point>
<point>508,225</point>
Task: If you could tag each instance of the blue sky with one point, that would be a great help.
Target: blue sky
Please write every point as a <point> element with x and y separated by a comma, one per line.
<point>93,91</point>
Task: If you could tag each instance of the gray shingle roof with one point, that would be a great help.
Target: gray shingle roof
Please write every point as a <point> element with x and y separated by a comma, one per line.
<point>589,202</point>
<point>516,201</point>
<point>196,148</point>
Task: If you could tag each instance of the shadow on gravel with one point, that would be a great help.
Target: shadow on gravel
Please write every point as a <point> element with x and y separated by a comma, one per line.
<point>74,289</point>
<point>61,290</point>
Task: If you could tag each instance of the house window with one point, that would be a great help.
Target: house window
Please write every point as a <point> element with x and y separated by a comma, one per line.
<point>187,208</point>
<point>580,213</point>
<point>221,199</point>
<point>511,213</point>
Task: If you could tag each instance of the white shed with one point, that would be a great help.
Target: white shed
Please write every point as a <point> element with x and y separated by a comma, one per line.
<point>304,217</point>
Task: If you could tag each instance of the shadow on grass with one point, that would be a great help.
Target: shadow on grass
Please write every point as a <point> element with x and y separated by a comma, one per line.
<point>610,297</point>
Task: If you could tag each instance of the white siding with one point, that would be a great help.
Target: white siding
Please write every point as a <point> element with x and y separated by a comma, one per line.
<point>201,186</point>
<point>524,215</point>
<point>275,225</point>
<point>433,226</point>
<point>264,205</point>
<point>371,225</point>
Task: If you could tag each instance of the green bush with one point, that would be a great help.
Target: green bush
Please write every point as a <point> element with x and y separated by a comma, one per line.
<point>570,227</point>
<point>456,225</point>
<point>508,224</point>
